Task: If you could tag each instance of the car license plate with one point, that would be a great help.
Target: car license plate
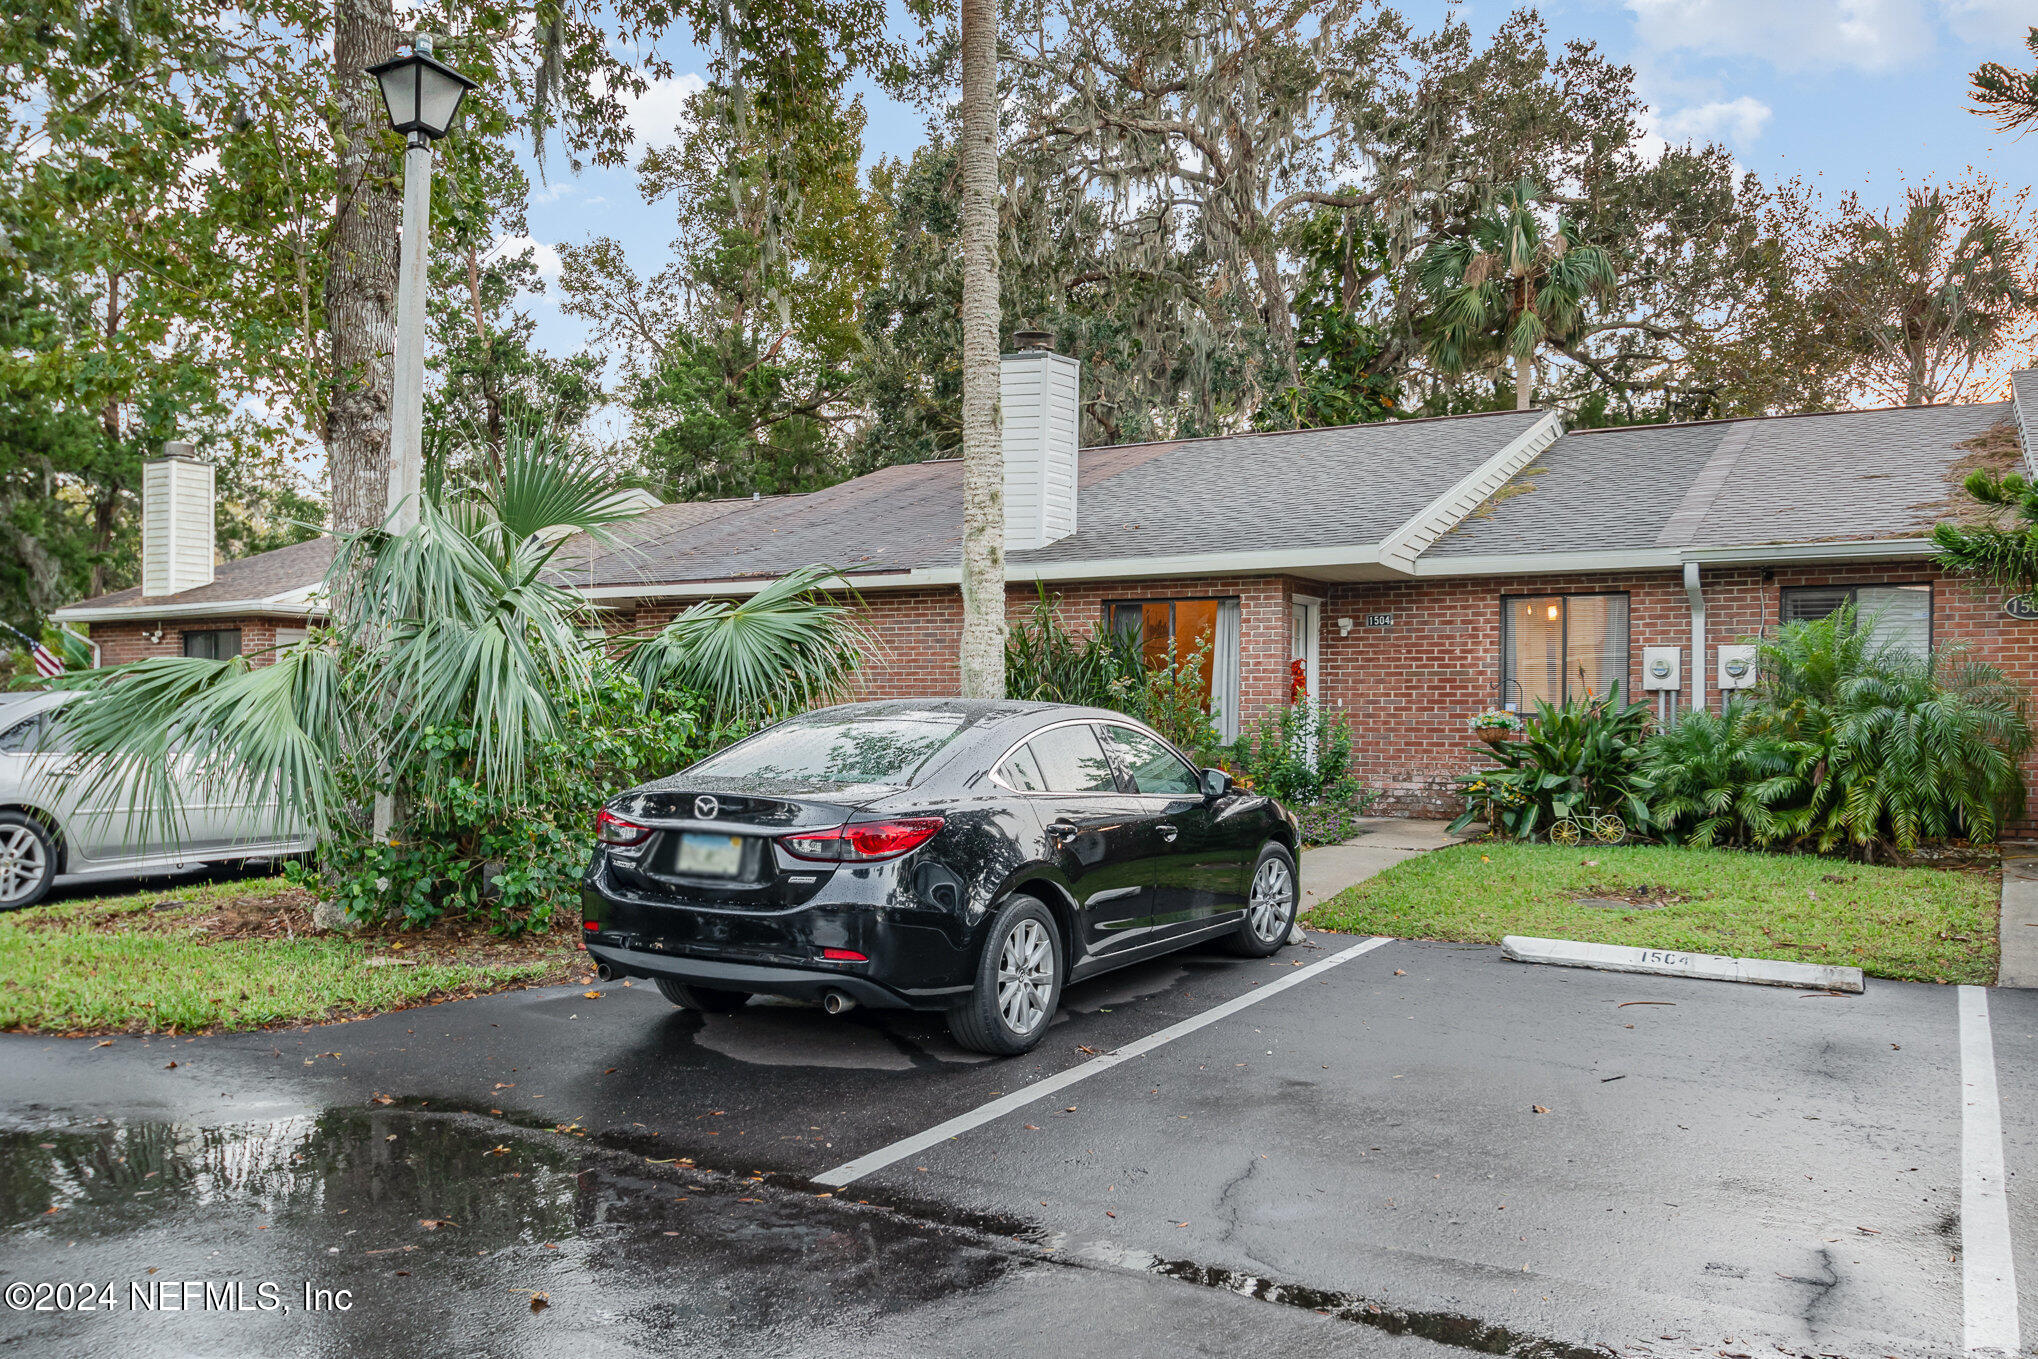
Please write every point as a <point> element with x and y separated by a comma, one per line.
<point>710,856</point>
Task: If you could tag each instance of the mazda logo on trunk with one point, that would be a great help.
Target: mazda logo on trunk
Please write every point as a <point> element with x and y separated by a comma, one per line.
<point>705,807</point>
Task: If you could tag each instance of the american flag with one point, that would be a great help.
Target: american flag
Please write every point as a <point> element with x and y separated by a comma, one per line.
<point>46,663</point>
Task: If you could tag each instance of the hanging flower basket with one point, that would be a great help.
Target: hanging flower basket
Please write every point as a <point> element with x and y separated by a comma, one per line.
<point>1498,727</point>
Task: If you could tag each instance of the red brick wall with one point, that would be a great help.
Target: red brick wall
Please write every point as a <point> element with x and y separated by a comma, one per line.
<point>916,631</point>
<point>120,643</point>
<point>1409,689</point>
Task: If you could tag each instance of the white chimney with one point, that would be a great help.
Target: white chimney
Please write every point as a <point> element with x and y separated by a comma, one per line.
<point>177,541</point>
<point>1038,395</point>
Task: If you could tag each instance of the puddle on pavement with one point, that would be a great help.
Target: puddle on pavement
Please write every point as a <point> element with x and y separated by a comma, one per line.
<point>1447,1328</point>
<point>442,1227</point>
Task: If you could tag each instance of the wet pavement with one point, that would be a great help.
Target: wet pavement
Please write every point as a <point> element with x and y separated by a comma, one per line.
<point>1422,1150</point>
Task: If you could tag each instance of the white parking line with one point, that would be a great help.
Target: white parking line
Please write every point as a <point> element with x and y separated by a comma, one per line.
<point>1988,1279</point>
<point>850,1171</point>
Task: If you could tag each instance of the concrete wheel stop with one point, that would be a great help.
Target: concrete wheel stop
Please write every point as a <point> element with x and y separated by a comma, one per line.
<point>1674,963</point>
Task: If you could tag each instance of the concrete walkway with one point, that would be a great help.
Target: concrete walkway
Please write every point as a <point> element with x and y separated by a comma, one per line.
<point>1382,842</point>
<point>2020,915</point>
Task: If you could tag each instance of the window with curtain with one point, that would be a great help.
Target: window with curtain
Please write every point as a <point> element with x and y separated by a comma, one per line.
<point>1188,625</point>
<point>1554,648</point>
<point>1899,615</point>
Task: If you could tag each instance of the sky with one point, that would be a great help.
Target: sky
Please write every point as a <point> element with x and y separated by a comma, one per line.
<point>1848,94</point>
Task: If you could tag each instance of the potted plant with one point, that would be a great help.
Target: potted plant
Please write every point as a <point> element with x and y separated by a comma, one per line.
<point>1497,726</point>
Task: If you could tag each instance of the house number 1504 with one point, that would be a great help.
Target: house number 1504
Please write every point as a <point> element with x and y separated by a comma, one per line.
<point>1379,620</point>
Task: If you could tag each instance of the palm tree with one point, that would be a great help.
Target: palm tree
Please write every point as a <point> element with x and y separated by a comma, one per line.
<point>1925,301</point>
<point>1510,287</point>
<point>459,621</point>
<point>983,462</point>
<point>2010,97</point>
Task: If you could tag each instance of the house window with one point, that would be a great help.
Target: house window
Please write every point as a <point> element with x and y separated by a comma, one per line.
<point>1894,615</point>
<point>1554,648</point>
<point>1188,625</point>
<point>213,644</point>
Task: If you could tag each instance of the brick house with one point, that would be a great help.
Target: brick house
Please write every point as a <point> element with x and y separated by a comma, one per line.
<point>1412,572</point>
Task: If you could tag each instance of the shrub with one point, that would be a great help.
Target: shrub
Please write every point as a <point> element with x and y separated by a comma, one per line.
<point>1169,696</point>
<point>1580,760</point>
<point>1717,778</point>
<point>1320,788</point>
<point>1888,749</point>
<point>1046,663</point>
<point>514,859</point>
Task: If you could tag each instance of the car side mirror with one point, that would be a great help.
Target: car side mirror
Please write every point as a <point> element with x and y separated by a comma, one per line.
<point>1216,783</point>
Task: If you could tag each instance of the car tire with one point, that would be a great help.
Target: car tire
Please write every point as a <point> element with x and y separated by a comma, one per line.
<point>1271,903</point>
<point>28,860</point>
<point>707,1000</point>
<point>1018,982</point>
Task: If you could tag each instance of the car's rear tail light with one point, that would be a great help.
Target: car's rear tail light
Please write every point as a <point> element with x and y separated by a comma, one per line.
<point>611,829</point>
<point>843,955</point>
<point>863,842</point>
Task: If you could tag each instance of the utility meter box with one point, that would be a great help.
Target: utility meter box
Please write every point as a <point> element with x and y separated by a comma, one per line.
<point>1662,667</point>
<point>1737,667</point>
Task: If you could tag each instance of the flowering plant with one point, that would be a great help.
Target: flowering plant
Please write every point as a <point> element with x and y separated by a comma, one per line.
<point>1497,719</point>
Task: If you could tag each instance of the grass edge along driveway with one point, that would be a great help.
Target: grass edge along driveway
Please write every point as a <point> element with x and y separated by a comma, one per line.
<point>144,962</point>
<point>1910,924</point>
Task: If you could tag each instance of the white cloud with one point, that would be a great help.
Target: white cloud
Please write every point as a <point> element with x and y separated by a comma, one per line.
<point>655,114</point>
<point>1868,35</point>
<point>1737,120</point>
<point>546,257</point>
<point>1990,23</point>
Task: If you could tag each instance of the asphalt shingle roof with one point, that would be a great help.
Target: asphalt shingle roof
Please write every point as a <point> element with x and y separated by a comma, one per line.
<point>1845,475</point>
<point>1787,479</point>
<point>1316,488</point>
<point>262,576</point>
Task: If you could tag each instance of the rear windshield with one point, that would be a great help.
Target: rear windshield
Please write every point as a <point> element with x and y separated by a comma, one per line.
<point>841,750</point>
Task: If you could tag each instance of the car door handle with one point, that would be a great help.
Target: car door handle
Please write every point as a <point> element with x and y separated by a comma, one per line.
<point>1062,830</point>
<point>1168,832</point>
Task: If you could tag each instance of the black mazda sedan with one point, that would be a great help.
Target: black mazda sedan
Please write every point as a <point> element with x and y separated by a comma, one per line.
<point>934,854</point>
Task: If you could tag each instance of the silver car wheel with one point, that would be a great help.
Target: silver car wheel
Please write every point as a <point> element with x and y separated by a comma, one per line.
<point>1025,976</point>
<point>1273,901</point>
<point>23,861</point>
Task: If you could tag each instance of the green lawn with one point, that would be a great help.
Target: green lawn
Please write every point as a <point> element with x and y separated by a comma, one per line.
<point>1915,924</point>
<point>232,955</point>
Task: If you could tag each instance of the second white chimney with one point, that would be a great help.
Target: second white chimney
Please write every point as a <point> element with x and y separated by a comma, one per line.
<point>1039,392</point>
<point>177,528</point>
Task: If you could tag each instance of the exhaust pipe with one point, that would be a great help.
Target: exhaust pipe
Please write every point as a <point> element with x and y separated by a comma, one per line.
<point>838,1002</point>
<point>605,972</point>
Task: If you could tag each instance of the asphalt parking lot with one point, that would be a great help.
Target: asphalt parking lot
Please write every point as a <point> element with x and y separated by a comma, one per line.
<point>1402,1147</point>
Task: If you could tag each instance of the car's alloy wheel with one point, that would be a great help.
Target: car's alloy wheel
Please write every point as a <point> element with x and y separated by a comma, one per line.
<point>1272,908</point>
<point>27,862</point>
<point>1025,976</point>
<point>1018,982</point>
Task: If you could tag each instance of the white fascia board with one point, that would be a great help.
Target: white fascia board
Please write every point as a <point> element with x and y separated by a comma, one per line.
<point>1402,548</point>
<point>277,606</point>
<point>1022,572</point>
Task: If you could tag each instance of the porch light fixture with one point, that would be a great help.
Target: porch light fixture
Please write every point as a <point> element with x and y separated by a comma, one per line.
<point>421,93</point>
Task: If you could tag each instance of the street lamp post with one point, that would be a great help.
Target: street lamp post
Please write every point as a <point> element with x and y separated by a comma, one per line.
<point>423,97</point>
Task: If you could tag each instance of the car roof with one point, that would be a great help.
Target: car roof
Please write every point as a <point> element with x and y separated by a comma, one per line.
<point>19,703</point>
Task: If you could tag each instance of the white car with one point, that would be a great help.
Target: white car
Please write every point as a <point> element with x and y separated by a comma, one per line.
<point>49,835</point>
